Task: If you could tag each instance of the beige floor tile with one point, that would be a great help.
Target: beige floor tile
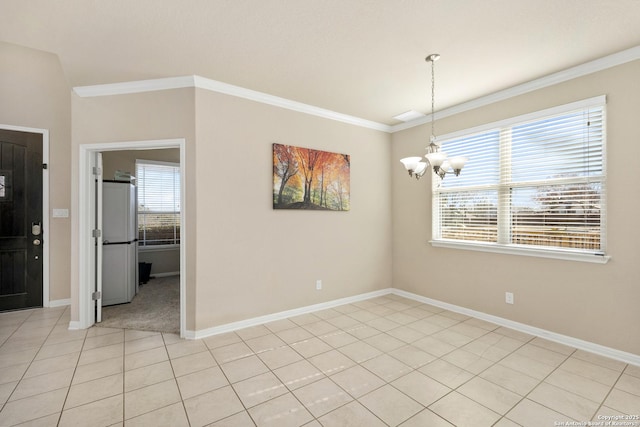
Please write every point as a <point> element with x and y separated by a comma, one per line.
<point>231,352</point>
<point>48,421</point>
<point>254,332</point>
<point>361,331</point>
<point>560,400</point>
<point>338,338</point>
<point>510,379</point>
<point>390,405</point>
<point>53,364</point>
<point>590,370</point>
<point>357,381</point>
<point>145,358</point>
<point>425,327</point>
<point>441,320</point>
<point>542,355</point>
<point>492,396</point>
<point>402,318</point>
<point>221,340</point>
<point>578,384</point>
<point>426,418</point>
<point>201,382</point>
<point>629,383</point>
<point>30,408</point>
<point>512,333</point>
<point>446,373</point>
<point>383,324</point>
<point>170,338</point>
<point>505,422</point>
<point>59,349</point>
<point>92,391</point>
<point>320,328</point>
<point>147,375</point>
<point>244,368</point>
<point>528,413</point>
<point>624,402</point>
<point>283,411</point>
<point>352,414</point>
<point>322,396</point>
<point>311,347</point>
<point>105,412</point>
<point>103,368</point>
<point>527,366</point>
<point>421,388</point>
<point>433,346</point>
<point>406,334</point>
<point>150,398</point>
<point>345,322</point>
<point>132,335</point>
<point>143,343</point>
<point>264,343</point>
<point>259,389</point>
<point>387,367</point>
<point>192,363</point>
<point>103,340</point>
<point>185,348</point>
<point>294,335</point>
<point>412,356</point>
<point>42,384</point>
<point>172,415</point>
<point>633,371</point>
<point>596,359</point>
<point>462,411</point>
<point>347,308</point>
<point>241,419</point>
<point>553,346</point>
<point>360,351</point>
<point>468,361</point>
<point>331,362</point>
<point>99,330</point>
<point>451,337</point>
<point>481,324</point>
<point>329,313</point>
<point>384,342</point>
<point>280,325</point>
<point>470,331</point>
<point>13,372</point>
<point>101,353</point>
<point>298,374</point>
<point>5,391</point>
<point>279,357</point>
<point>486,350</point>
<point>363,316</point>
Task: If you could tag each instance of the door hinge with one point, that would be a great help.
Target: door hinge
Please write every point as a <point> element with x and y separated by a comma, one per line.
<point>95,296</point>
<point>97,171</point>
<point>45,166</point>
<point>96,233</point>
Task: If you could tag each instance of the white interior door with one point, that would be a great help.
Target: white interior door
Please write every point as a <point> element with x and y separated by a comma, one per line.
<point>98,226</point>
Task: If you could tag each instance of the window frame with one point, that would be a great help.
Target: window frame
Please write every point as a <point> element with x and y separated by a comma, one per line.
<point>163,247</point>
<point>504,226</point>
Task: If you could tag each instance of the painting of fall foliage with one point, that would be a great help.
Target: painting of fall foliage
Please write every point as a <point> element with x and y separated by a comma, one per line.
<point>304,178</point>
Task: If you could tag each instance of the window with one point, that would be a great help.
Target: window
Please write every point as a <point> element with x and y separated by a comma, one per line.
<point>158,203</point>
<point>534,185</point>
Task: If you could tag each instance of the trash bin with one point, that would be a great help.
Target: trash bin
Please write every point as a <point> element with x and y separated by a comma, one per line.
<point>144,271</point>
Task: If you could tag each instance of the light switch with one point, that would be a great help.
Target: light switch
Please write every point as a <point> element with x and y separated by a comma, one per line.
<point>61,213</point>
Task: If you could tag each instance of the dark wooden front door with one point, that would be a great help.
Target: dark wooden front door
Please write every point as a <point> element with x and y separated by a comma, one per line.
<point>21,234</point>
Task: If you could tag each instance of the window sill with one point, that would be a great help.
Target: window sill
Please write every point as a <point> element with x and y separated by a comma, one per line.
<point>158,248</point>
<point>516,250</point>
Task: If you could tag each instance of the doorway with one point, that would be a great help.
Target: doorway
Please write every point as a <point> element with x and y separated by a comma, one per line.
<point>23,218</point>
<point>87,199</point>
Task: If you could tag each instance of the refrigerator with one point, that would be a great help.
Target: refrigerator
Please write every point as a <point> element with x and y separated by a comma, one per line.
<point>120,243</point>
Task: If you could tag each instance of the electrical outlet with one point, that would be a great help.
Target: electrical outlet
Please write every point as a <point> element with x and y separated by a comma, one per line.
<point>508,297</point>
<point>318,285</point>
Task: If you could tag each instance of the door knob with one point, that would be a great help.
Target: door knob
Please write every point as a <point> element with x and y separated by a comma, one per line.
<point>36,242</point>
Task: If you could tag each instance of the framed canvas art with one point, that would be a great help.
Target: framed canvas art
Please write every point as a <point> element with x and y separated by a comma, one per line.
<point>304,178</point>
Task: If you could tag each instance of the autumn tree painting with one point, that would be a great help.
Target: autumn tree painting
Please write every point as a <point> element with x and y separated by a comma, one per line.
<point>304,178</point>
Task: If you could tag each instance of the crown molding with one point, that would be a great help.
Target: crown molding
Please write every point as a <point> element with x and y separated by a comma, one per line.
<point>561,76</point>
<point>224,88</point>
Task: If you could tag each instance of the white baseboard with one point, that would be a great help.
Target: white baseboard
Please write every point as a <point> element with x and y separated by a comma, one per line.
<point>601,350</point>
<point>255,321</point>
<point>59,302</point>
<point>74,325</point>
<point>167,274</point>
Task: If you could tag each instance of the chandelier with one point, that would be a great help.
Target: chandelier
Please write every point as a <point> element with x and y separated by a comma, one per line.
<point>435,158</point>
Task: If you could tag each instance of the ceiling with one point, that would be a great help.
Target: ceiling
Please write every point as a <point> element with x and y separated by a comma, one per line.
<point>363,58</point>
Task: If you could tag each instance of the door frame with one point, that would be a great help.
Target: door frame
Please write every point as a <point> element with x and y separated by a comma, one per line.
<point>86,203</point>
<point>45,210</point>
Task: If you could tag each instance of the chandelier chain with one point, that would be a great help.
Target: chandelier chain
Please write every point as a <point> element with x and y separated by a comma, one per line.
<point>433,101</point>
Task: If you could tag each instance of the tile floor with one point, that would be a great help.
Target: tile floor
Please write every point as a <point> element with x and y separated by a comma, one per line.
<point>381,362</point>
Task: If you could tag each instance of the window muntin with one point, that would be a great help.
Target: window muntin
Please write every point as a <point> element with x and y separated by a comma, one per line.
<point>158,203</point>
<point>532,182</point>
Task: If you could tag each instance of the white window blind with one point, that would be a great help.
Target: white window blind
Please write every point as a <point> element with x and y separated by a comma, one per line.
<point>158,203</point>
<point>535,181</point>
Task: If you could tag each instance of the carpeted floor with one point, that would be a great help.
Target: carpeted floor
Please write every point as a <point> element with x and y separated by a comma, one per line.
<point>155,308</point>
